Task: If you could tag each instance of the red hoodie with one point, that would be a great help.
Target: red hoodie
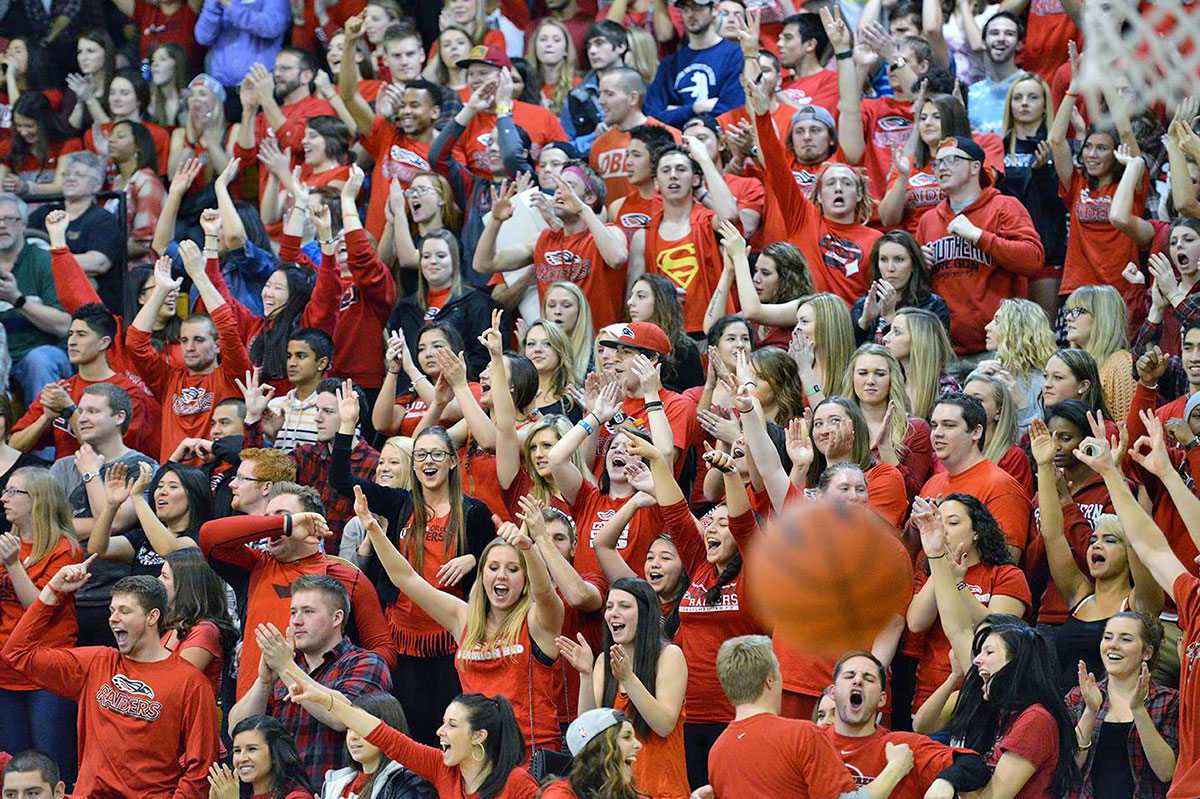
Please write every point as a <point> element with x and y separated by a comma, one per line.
<point>974,278</point>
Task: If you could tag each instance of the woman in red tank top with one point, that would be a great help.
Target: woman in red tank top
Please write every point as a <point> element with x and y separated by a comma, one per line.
<point>505,630</point>
<point>642,677</point>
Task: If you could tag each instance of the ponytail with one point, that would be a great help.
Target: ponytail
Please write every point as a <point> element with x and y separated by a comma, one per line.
<point>504,746</point>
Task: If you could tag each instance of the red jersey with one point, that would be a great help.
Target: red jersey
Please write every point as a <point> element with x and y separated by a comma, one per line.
<point>608,157</point>
<point>975,277</point>
<point>886,493</point>
<point>692,262</point>
<point>995,488</point>
<point>162,143</point>
<point>866,758</point>
<point>290,133</point>
<point>540,123</point>
<point>61,631</point>
<point>984,582</point>
<point>397,157</point>
<point>559,255</point>
<point>32,170</point>
<point>161,713</point>
<point>1033,735</point>
<point>144,428</point>
<point>1097,251</point>
<point>838,254</point>
<point>204,635</point>
<point>766,756</point>
<point>636,212</point>
<point>886,122</point>
<point>820,89</point>
<point>269,595</point>
<point>426,762</point>
<point>414,632</point>
<point>1047,31</point>
<point>592,510</point>
<point>681,415</point>
<point>1186,593</point>
<point>705,625</point>
<point>157,28</point>
<point>190,399</point>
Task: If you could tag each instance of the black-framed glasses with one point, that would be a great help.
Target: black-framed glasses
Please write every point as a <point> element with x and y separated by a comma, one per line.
<point>435,455</point>
<point>949,160</point>
<point>1076,312</point>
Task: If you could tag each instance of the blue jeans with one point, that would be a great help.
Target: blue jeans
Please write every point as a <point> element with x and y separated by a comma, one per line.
<point>39,366</point>
<point>39,720</point>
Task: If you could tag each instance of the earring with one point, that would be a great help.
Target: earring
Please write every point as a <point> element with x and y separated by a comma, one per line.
<point>482,752</point>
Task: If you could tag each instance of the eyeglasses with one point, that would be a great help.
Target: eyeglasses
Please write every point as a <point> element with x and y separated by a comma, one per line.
<point>10,220</point>
<point>1076,312</point>
<point>417,191</point>
<point>12,492</point>
<point>949,160</point>
<point>247,479</point>
<point>285,68</point>
<point>435,455</point>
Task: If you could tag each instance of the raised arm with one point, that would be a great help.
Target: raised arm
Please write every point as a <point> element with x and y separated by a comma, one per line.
<point>1150,452</point>
<point>567,478</point>
<point>546,613</point>
<point>164,229</point>
<point>605,542</point>
<point>1064,163</point>
<point>1123,216</point>
<point>851,137</point>
<point>348,78</point>
<point>1073,584</point>
<point>1181,142</point>
<point>576,592</point>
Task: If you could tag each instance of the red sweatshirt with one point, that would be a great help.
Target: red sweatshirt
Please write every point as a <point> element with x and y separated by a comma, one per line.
<point>426,762</point>
<point>290,133</point>
<point>974,278</point>
<point>269,595</point>
<point>838,255</point>
<point>146,730</point>
<point>326,293</point>
<point>190,398</point>
<point>144,427</point>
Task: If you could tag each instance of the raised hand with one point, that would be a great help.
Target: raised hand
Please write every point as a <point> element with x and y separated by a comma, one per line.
<point>275,160</point>
<point>836,29</point>
<point>1151,366</point>
<point>193,260</point>
<point>928,519</point>
<point>71,578</point>
<point>1041,443</point>
<point>514,536</point>
<point>228,174</point>
<point>353,184</point>
<point>185,175</point>
<point>1133,274</point>
<point>10,549</point>
<point>1087,686</point>
<point>492,339</point>
<point>798,444</point>
<point>620,663</point>
<point>255,393</point>
<point>56,228</point>
<point>164,283</point>
<point>502,197</point>
<point>639,476</point>
<point>577,653</point>
<point>347,403</point>
<point>116,485</point>
<point>719,424</point>
<point>721,461</point>
<point>221,782</point>
<point>453,367</point>
<point>1150,451</point>
<point>608,402</point>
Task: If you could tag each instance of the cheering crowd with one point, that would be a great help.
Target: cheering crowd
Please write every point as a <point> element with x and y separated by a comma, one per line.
<point>393,395</point>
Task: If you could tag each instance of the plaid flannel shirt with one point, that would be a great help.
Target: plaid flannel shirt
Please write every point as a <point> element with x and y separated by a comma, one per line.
<point>144,198</point>
<point>1163,705</point>
<point>1173,382</point>
<point>312,469</point>
<point>346,668</point>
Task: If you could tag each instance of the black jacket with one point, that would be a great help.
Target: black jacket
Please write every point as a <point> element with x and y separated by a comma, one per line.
<point>469,312</point>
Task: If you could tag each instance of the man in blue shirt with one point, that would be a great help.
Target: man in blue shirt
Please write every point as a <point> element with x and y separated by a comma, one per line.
<point>702,77</point>
<point>1002,36</point>
<point>240,33</point>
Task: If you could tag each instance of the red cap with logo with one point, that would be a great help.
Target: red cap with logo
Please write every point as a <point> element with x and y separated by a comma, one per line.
<point>645,336</point>
<point>488,54</point>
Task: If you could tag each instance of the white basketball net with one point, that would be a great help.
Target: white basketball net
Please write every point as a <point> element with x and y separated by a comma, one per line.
<point>1155,50</point>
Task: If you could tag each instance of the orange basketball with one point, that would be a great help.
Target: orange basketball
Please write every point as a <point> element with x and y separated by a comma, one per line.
<point>829,577</point>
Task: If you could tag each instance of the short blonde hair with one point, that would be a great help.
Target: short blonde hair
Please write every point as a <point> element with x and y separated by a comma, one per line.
<point>744,664</point>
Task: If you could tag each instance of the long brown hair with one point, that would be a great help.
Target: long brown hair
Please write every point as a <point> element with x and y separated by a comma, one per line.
<point>456,529</point>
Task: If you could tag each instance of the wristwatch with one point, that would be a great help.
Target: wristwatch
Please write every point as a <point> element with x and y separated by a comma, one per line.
<point>1191,445</point>
<point>19,302</point>
<point>68,412</point>
<point>90,476</point>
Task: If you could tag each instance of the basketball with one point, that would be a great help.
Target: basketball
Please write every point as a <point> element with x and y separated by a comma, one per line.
<point>827,577</point>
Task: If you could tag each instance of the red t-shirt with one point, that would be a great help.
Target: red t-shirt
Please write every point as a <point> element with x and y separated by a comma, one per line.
<point>1097,251</point>
<point>995,488</point>
<point>144,428</point>
<point>1047,31</point>
<point>396,157</point>
<point>414,632</point>
<point>592,510</point>
<point>426,762</point>
<point>767,756</point>
<point>157,28</point>
<point>540,123</point>
<point>819,89</point>
<point>1186,593</point>
<point>984,582</point>
<point>575,257</point>
<point>866,758</point>
<point>1033,735</point>
<point>636,213</point>
<point>204,635</point>
<point>886,122</point>
<point>681,414</point>
<point>608,158</point>
<point>60,630</point>
<point>886,493</point>
<point>436,300</point>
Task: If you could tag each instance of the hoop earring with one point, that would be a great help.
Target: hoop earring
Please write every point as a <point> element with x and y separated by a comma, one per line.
<point>482,752</point>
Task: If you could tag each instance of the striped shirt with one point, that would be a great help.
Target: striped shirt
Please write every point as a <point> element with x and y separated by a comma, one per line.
<point>299,420</point>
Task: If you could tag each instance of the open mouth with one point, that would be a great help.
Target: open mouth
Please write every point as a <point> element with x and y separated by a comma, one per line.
<point>712,543</point>
<point>500,591</point>
<point>629,761</point>
<point>121,636</point>
<point>430,471</point>
<point>616,627</point>
<point>619,462</point>
<point>856,699</point>
<point>654,577</point>
<point>1113,657</point>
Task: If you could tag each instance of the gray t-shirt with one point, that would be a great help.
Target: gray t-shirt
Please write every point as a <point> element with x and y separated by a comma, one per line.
<point>105,573</point>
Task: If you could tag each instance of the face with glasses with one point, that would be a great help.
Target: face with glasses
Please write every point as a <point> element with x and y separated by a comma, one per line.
<point>424,200</point>
<point>953,169</point>
<point>288,75</point>
<point>168,307</point>
<point>78,180</point>
<point>18,505</point>
<point>248,491</point>
<point>433,459</point>
<point>1079,325</point>
<point>12,227</point>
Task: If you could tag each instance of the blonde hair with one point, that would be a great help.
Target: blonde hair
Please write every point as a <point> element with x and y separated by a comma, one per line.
<point>478,606</point>
<point>566,71</point>
<point>564,373</point>
<point>1008,130</point>
<point>1109,316</point>
<point>643,52</point>
<point>928,353</point>
<point>1026,340</point>
<point>897,391</point>
<point>606,333</point>
<point>744,664</point>
<point>540,487</point>
<point>1000,435</point>
<point>405,445</point>
<point>833,339</point>
<point>50,516</point>
<point>862,208</point>
<point>579,340</point>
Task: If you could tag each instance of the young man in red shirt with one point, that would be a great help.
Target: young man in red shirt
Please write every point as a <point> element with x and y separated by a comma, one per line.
<point>957,427</point>
<point>295,524</point>
<point>762,755</point>
<point>316,640</point>
<point>189,394</point>
<point>681,241</point>
<point>859,694</point>
<point>804,50</point>
<point>981,245</point>
<point>633,211</point>
<point>585,250</point>
<point>146,716</point>
<point>287,102</point>
<point>621,97</point>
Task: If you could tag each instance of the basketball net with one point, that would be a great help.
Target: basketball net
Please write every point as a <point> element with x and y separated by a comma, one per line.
<point>1153,50</point>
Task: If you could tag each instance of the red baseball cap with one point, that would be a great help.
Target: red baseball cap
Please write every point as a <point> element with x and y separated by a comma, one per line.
<point>644,336</point>
<point>488,54</point>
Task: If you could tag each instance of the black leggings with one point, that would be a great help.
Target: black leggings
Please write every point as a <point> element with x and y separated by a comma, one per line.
<point>697,740</point>
<point>425,686</point>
